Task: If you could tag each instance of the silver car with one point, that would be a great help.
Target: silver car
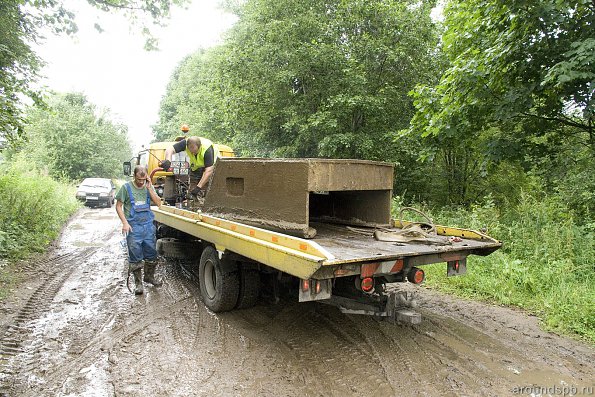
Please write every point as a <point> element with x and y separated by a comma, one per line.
<point>96,192</point>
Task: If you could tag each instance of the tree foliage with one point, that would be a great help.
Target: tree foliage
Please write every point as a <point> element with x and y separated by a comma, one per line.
<point>309,78</point>
<point>73,139</point>
<point>519,87</point>
<point>504,98</point>
<point>18,66</point>
<point>530,65</point>
<point>187,100</point>
<point>21,22</point>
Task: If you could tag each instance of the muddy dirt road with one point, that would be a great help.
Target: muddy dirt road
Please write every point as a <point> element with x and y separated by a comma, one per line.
<point>73,329</point>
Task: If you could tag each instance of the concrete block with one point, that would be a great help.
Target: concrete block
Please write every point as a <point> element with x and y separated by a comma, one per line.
<point>291,195</point>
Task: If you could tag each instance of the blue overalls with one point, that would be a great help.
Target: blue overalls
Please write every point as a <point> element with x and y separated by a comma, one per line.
<point>141,240</point>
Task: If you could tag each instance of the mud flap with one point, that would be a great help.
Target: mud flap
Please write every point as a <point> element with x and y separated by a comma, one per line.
<point>317,290</point>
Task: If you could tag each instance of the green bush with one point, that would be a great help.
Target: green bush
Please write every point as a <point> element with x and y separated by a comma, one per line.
<point>546,264</point>
<point>34,209</point>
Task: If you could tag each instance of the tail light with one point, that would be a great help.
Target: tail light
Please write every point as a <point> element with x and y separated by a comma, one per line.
<point>305,285</point>
<point>367,284</point>
<point>416,275</point>
<point>314,285</point>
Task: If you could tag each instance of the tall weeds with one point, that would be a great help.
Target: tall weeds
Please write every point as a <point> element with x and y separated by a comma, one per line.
<point>546,264</point>
<point>34,208</point>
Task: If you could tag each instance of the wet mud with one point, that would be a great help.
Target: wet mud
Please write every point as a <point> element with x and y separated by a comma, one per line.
<point>73,329</point>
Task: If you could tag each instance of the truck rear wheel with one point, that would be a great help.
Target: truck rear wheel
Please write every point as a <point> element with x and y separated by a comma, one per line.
<point>249,288</point>
<point>219,285</point>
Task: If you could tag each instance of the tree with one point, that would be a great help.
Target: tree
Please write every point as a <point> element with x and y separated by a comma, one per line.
<point>514,63</point>
<point>519,82</point>
<point>73,139</point>
<point>20,24</point>
<point>311,78</point>
<point>187,99</point>
<point>18,67</point>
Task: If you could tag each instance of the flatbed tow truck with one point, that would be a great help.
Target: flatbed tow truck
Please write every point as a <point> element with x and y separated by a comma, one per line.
<point>342,250</point>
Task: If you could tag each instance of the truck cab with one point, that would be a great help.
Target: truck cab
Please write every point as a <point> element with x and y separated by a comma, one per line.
<point>169,185</point>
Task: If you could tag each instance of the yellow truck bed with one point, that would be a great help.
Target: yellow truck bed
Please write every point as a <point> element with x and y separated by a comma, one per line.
<point>335,251</point>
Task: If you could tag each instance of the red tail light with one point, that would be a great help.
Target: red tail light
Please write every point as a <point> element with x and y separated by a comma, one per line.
<point>367,284</point>
<point>416,275</point>
<point>305,285</point>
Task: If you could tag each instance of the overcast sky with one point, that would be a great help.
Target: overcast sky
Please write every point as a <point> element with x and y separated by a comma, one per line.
<point>113,70</point>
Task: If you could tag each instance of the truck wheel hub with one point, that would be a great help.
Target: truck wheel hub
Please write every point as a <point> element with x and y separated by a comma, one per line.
<point>210,279</point>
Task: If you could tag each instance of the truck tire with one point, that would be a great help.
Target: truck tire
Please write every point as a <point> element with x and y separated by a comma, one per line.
<point>176,249</point>
<point>109,203</point>
<point>249,288</point>
<point>219,289</point>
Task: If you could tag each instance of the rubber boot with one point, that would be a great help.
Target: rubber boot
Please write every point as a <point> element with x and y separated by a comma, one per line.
<point>137,271</point>
<point>150,274</point>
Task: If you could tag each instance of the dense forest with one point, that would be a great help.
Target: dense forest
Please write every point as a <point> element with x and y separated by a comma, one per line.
<point>484,107</point>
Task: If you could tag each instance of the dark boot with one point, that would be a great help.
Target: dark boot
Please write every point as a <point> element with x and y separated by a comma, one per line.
<point>137,271</point>
<point>150,274</point>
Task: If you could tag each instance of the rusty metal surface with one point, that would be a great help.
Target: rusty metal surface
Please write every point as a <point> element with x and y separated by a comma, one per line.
<point>348,245</point>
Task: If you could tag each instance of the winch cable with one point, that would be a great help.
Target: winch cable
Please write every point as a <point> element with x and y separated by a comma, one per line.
<point>124,244</point>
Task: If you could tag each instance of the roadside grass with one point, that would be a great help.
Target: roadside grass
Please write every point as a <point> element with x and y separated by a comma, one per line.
<point>546,265</point>
<point>34,209</point>
<point>9,277</point>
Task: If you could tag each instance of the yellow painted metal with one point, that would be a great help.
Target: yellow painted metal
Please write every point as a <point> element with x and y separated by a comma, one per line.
<point>156,153</point>
<point>292,255</point>
<point>224,150</point>
<point>452,231</point>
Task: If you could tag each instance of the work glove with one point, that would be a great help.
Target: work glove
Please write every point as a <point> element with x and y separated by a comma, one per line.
<point>166,165</point>
<point>197,192</point>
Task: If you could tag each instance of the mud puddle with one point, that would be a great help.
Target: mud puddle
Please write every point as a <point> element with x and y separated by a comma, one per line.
<point>73,329</point>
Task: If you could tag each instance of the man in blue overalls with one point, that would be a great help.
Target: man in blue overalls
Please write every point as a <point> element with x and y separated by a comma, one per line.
<point>134,209</point>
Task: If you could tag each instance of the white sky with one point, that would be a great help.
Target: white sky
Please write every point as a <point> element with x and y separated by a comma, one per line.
<point>113,70</point>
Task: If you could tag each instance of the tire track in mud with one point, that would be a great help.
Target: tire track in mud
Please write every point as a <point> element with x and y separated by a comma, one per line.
<point>266,330</point>
<point>16,335</point>
<point>107,340</point>
<point>180,286</point>
<point>144,358</point>
<point>349,352</point>
<point>437,368</point>
<point>43,263</point>
<point>171,300</point>
<point>324,351</point>
<point>352,353</point>
<point>364,367</point>
<point>503,331</point>
<point>333,352</point>
<point>387,351</point>
<point>409,366</point>
<point>415,362</point>
<point>442,357</point>
<point>484,362</point>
